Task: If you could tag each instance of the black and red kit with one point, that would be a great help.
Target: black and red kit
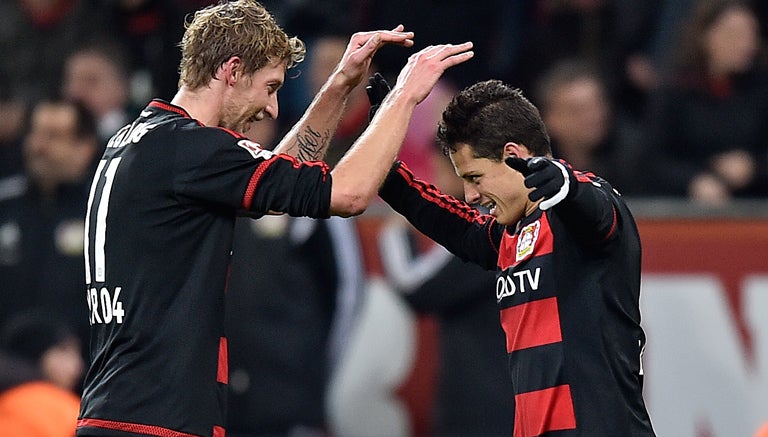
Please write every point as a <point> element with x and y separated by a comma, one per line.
<point>158,243</point>
<point>568,289</point>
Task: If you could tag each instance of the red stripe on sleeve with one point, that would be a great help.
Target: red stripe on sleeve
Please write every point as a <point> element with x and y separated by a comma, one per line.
<point>613,225</point>
<point>222,375</point>
<point>531,324</point>
<point>432,194</point>
<point>136,428</point>
<point>541,411</point>
<point>251,188</point>
<point>219,431</point>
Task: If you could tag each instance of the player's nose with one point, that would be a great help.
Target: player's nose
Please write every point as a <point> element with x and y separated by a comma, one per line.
<point>471,195</point>
<point>272,108</point>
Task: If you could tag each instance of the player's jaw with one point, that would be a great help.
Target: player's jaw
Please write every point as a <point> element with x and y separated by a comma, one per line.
<point>506,199</point>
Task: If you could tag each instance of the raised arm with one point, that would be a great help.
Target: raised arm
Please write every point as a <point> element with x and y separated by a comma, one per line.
<point>358,175</point>
<point>310,137</point>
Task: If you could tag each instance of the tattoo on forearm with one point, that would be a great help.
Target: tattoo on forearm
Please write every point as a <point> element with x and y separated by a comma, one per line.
<point>312,145</point>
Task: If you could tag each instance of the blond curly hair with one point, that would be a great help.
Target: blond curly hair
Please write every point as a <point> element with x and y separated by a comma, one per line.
<point>241,28</point>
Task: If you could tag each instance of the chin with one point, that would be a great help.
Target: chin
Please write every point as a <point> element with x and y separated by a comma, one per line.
<point>504,219</point>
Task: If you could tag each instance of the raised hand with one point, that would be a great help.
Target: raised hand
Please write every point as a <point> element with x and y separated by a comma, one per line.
<point>356,60</point>
<point>550,179</point>
<point>425,67</point>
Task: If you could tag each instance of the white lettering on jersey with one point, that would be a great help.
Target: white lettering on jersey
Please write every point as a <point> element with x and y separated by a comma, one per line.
<point>131,133</point>
<point>507,286</point>
<point>255,149</point>
<point>105,306</point>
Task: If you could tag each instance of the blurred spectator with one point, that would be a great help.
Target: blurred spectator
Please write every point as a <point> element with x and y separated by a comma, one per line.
<point>474,395</point>
<point>151,30</point>
<point>559,29</point>
<point>97,76</point>
<point>614,36</point>
<point>31,406</point>
<point>35,36</point>
<point>50,345</point>
<point>11,126</point>
<point>584,130</point>
<point>42,214</point>
<point>287,322</point>
<point>708,127</point>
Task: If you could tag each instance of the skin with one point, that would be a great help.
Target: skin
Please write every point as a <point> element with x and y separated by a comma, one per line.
<point>235,100</point>
<point>53,153</point>
<point>494,184</point>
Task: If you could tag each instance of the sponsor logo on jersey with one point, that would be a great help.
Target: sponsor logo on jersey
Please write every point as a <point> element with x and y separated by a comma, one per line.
<point>513,282</point>
<point>526,240</point>
<point>255,150</point>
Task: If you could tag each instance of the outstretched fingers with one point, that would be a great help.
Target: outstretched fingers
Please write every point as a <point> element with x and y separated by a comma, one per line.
<point>452,54</point>
<point>425,67</point>
<point>363,46</point>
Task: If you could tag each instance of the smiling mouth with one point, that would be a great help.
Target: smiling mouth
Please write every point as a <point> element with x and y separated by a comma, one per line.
<point>489,207</point>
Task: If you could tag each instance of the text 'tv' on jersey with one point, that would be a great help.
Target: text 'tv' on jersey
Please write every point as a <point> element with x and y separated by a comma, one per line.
<point>567,288</point>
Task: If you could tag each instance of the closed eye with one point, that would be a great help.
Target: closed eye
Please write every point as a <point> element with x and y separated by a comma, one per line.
<point>273,87</point>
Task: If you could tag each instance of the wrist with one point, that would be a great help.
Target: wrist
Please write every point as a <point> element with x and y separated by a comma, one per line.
<point>339,83</point>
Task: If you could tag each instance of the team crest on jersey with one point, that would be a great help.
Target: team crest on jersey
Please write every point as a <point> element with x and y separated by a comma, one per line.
<point>526,240</point>
<point>255,149</point>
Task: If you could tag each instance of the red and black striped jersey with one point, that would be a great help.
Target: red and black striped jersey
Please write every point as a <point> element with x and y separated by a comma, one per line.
<point>158,242</point>
<point>568,288</point>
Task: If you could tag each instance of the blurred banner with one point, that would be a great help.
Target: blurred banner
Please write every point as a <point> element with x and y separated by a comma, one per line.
<point>705,312</point>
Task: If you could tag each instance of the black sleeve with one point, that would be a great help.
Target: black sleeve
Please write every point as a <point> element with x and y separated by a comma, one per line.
<point>230,171</point>
<point>591,210</point>
<point>452,223</point>
<point>282,184</point>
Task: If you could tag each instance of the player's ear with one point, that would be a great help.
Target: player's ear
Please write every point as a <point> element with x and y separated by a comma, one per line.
<point>231,70</point>
<point>516,150</point>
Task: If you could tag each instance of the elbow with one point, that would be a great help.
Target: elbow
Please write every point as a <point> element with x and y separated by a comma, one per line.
<point>349,209</point>
<point>348,205</point>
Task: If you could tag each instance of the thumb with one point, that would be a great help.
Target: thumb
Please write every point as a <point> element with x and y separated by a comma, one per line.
<point>372,44</point>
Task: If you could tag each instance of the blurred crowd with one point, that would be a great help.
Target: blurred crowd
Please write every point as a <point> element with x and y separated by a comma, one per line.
<point>663,98</point>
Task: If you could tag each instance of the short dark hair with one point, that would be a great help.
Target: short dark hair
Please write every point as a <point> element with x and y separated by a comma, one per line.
<point>489,114</point>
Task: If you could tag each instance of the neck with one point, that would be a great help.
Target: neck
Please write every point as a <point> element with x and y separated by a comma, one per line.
<point>531,207</point>
<point>203,104</point>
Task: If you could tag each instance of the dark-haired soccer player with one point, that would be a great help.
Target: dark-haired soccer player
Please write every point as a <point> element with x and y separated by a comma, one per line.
<point>568,258</point>
<point>165,195</point>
